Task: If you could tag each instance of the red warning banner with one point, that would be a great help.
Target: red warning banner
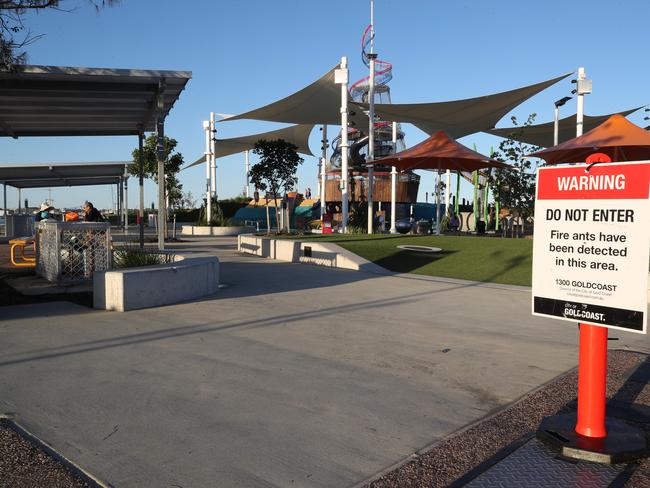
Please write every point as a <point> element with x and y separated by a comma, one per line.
<point>603,181</point>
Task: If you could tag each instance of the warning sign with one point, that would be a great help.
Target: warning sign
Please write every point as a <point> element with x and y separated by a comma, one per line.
<point>591,244</point>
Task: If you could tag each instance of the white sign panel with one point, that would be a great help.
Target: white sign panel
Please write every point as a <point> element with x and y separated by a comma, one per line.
<point>591,244</point>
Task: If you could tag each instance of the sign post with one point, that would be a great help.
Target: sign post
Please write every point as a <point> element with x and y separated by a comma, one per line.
<point>590,264</point>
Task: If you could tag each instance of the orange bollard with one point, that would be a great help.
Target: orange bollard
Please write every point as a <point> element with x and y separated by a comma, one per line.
<point>592,381</point>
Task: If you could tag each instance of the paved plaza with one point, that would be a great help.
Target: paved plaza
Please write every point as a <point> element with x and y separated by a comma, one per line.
<point>292,375</point>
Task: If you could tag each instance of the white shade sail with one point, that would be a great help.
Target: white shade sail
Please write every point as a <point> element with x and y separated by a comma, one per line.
<point>459,118</point>
<point>296,134</point>
<point>542,134</point>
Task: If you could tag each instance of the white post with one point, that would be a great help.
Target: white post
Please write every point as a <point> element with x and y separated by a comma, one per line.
<point>581,102</point>
<point>213,170</point>
<point>371,119</point>
<point>393,187</point>
<point>126,202</point>
<point>248,171</point>
<point>4,208</point>
<point>323,176</point>
<point>208,184</point>
<point>438,181</point>
<point>342,77</point>
<point>447,191</point>
<point>556,126</point>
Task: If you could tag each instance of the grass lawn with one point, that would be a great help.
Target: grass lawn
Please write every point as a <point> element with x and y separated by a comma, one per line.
<point>489,259</point>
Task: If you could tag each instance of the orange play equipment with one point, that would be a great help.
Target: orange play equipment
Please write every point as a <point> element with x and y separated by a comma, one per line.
<point>18,254</point>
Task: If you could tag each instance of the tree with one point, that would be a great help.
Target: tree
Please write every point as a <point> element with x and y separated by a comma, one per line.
<point>276,169</point>
<point>514,188</point>
<point>14,35</point>
<point>172,163</point>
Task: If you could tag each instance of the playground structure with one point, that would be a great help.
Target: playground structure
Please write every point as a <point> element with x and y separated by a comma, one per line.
<point>388,138</point>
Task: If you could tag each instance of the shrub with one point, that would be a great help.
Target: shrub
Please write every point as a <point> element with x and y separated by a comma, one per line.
<point>132,257</point>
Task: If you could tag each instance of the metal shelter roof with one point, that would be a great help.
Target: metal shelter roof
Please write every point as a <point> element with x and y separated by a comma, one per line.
<point>44,175</point>
<point>542,134</point>
<point>67,101</point>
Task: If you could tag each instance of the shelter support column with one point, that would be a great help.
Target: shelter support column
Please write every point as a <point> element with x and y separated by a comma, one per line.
<point>208,179</point>
<point>323,176</point>
<point>213,155</point>
<point>393,187</point>
<point>4,207</point>
<point>160,156</point>
<point>141,185</point>
<point>126,203</point>
<point>247,164</point>
<point>118,210</point>
<point>20,203</point>
<point>447,191</point>
<point>438,185</point>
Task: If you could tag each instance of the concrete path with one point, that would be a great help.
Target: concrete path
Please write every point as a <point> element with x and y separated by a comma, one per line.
<point>292,376</point>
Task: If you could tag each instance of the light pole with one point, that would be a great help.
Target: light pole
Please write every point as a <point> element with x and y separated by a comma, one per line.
<point>341,77</point>
<point>556,125</point>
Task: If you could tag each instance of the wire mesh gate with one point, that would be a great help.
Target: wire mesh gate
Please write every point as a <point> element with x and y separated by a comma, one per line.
<point>70,252</point>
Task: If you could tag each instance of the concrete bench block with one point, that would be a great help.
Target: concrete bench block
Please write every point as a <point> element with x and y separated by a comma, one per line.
<point>153,286</point>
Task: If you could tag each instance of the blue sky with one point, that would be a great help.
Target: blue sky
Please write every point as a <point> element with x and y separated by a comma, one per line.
<point>244,54</point>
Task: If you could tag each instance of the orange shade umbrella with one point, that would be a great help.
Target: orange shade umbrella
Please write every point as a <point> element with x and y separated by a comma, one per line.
<point>617,137</point>
<point>440,152</point>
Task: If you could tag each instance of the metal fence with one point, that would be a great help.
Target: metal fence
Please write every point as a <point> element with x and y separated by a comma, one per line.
<point>70,252</point>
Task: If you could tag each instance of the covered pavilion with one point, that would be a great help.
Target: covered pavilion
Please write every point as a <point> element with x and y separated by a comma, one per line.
<point>71,101</point>
<point>617,137</point>
<point>42,175</point>
<point>542,134</point>
<point>438,152</point>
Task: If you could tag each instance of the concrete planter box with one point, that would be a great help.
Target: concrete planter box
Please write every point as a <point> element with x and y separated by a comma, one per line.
<point>153,286</point>
<point>294,251</point>
<point>211,230</point>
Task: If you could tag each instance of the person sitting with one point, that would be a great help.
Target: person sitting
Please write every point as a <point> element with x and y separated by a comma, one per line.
<point>454,222</point>
<point>91,214</point>
<point>45,212</point>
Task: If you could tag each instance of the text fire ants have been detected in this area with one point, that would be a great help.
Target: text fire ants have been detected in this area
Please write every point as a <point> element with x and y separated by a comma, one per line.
<point>590,252</point>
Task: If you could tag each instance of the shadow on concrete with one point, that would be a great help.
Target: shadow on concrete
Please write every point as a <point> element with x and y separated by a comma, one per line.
<point>55,308</point>
<point>259,276</point>
<point>203,328</point>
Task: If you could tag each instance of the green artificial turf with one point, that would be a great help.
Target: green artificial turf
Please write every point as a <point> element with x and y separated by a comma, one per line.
<point>489,259</point>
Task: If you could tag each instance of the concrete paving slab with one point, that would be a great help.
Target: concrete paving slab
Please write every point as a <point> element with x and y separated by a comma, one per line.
<point>292,375</point>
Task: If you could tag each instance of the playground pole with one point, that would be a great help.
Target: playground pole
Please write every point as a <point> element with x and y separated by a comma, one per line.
<point>371,119</point>
<point>393,187</point>
<point>343,80</point>
<point>208,183</point>
<point>322,172</point>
